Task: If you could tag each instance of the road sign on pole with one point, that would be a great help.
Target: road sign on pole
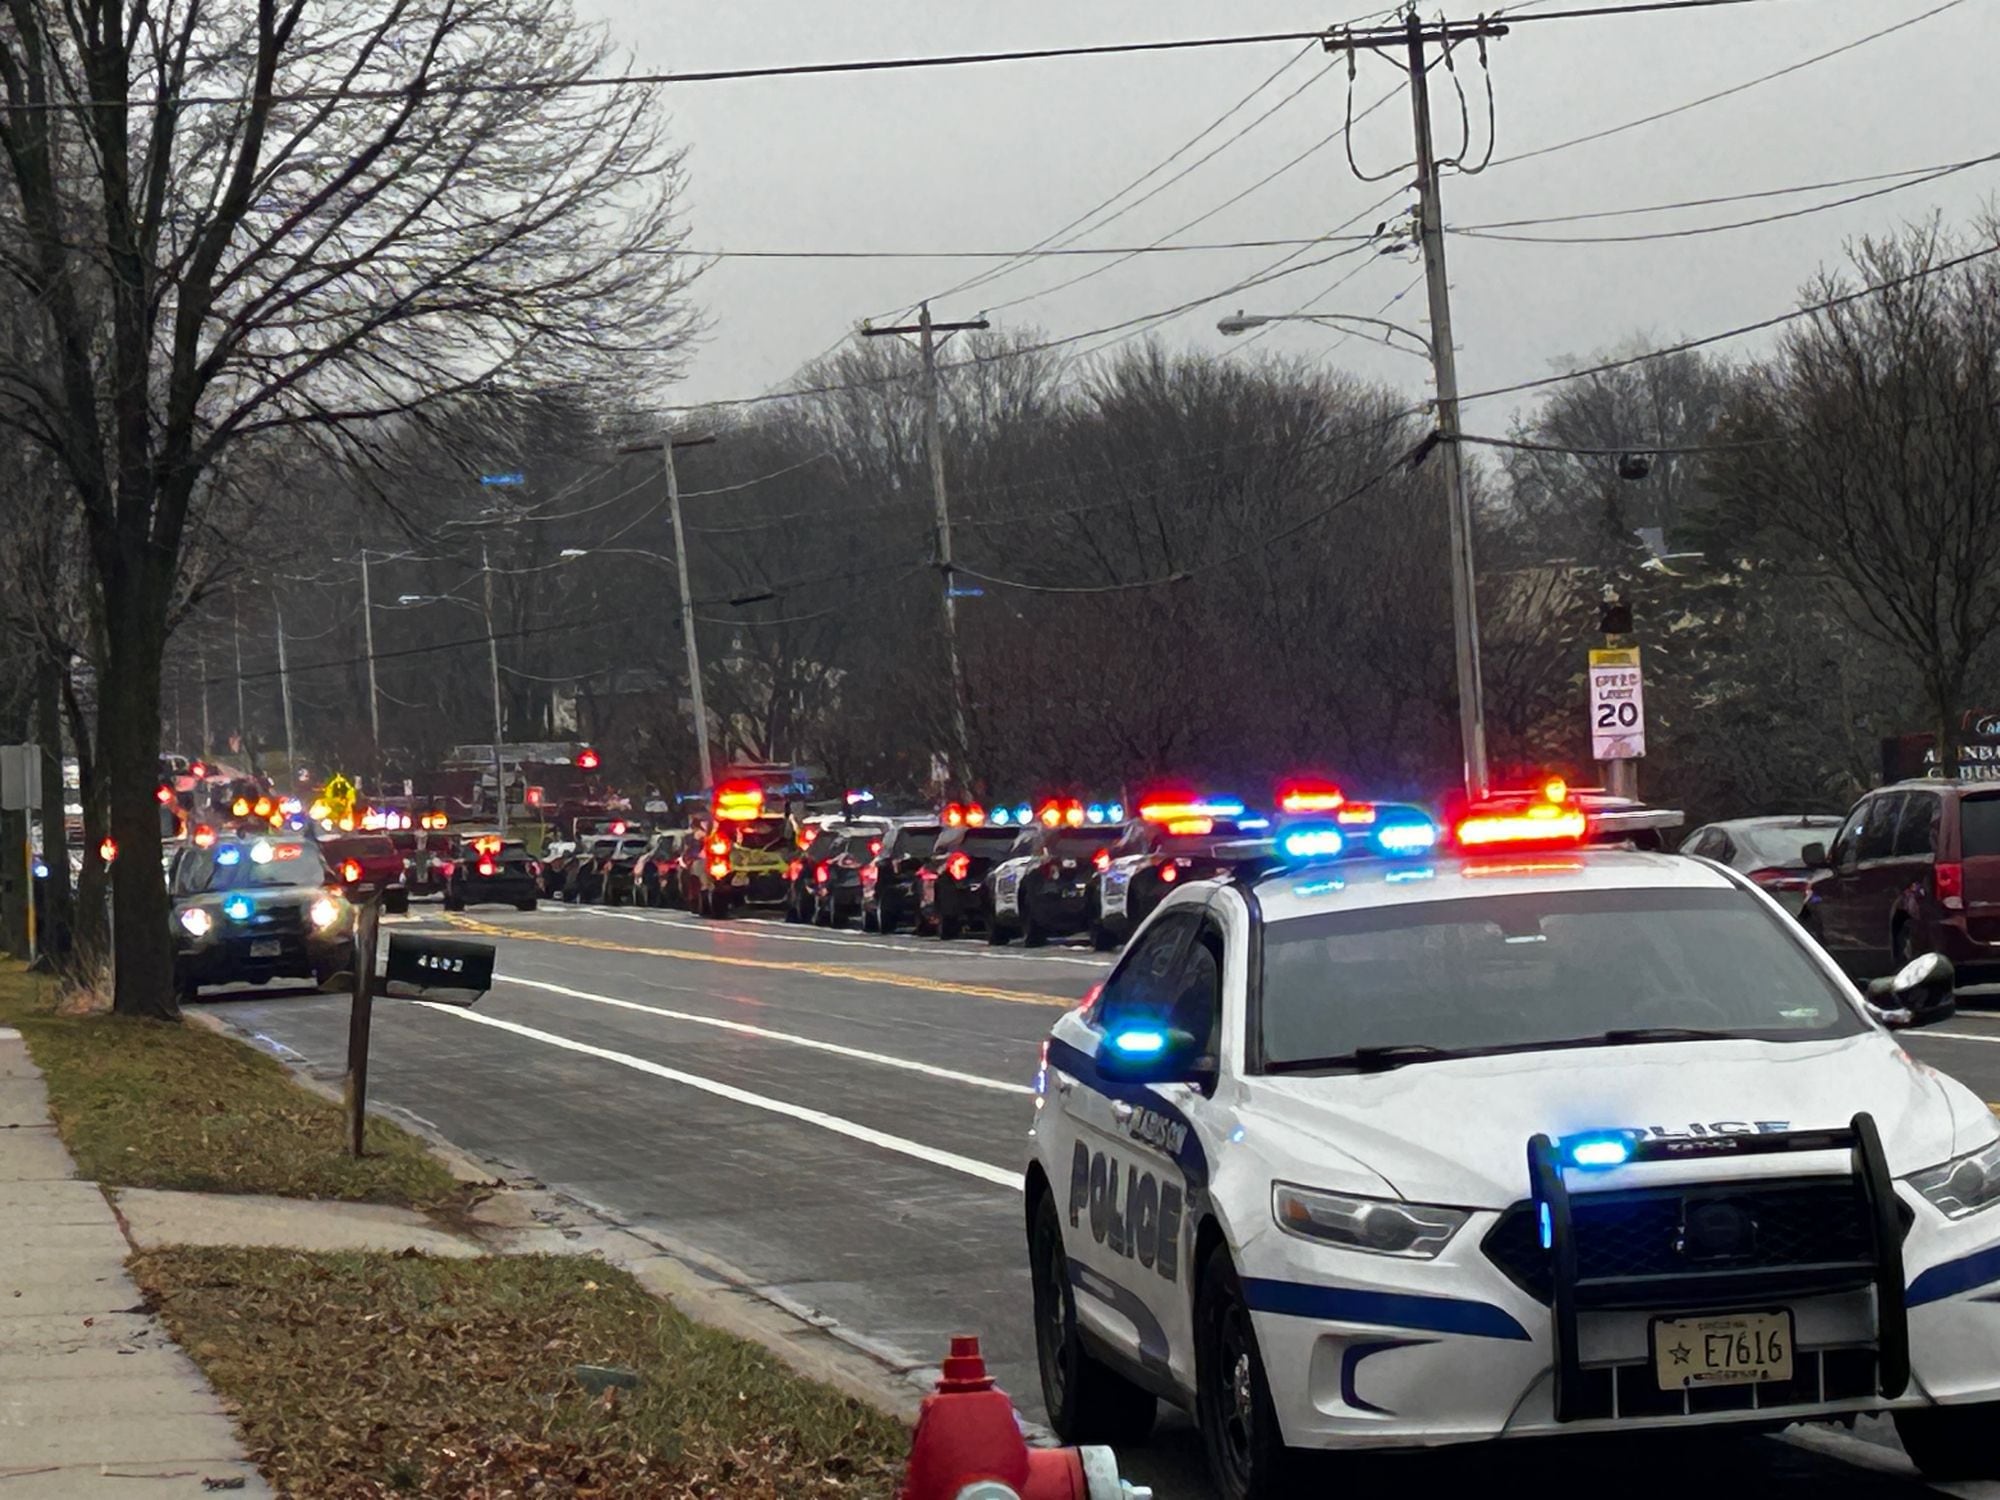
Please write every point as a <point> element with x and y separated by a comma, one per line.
<point>1617,705</point>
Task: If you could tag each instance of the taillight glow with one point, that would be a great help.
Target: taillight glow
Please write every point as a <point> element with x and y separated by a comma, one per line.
<point>1169,874</point>
<point>487,867</point>
<point>1777,878</point>
<point>718,869</point>
<point>958,866</point>
<point>874,846</point>
<point>350,870</point>
<point>793,869</point>
<point>718,845</point>
<point>1101,860</point>
<point>822,872</point>
<point>1949,882</point>
<point>1194,827</point>
<point>204,837</point>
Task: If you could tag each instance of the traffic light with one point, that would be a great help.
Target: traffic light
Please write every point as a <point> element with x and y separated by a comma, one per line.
<point>587,759</point>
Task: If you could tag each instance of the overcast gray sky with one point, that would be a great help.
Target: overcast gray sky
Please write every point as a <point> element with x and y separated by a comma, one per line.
<point>997,156</point>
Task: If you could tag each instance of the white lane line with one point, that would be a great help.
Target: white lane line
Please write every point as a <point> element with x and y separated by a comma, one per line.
<point>744,1028</point>
<point>763,932</point>
<point>1953,1036</point>
<point>902,1145</point>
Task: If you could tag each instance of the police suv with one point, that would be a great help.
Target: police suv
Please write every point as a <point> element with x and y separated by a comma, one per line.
<point>1042,888</point>
<point>1520,1139</point>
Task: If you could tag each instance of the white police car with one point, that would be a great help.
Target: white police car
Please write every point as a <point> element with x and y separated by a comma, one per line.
<point>1509,1141</point>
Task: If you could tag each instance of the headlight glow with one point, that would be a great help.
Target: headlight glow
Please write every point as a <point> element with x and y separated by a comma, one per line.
<point>1412,1231</point>
<point>197,922</point>
<point>324,912</point>
<point>1965,1186</point>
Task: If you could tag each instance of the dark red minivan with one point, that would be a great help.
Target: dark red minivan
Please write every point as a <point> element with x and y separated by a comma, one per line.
<point>1914,869</point>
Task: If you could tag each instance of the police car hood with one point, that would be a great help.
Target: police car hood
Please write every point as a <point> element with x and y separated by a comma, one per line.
<point>1456,1131</point>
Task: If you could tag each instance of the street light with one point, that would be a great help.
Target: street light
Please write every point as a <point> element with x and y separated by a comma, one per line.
<point>1243,322</point>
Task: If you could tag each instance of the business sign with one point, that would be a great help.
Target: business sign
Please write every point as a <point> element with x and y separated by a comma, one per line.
<point>1617,705</point>
<point>1913,757</point>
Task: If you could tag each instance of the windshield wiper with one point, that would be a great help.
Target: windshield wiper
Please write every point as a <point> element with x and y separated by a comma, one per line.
<point>1638,1035</point>
<point>1369,1059</point>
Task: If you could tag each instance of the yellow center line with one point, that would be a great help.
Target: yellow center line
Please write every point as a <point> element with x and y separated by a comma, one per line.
<point>824,971</point>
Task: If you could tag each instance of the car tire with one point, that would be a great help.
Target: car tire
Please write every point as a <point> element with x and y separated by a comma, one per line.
<point>453,903</point>
<point>871,919</point>
<point>887,918</point>
<point>528,905</point>
<point>1087,1402</point>
<point>1247,1457</point>
<point>186,991</point>
<point>949,928</point>
<point>836,916</point>
<point>396,903</point>
<point>1033,934</point>
<point>1951,1442</point>
<point>996,935</point>
<point>1102,938</point>
<point>794,912</point>
<point>820,916</point>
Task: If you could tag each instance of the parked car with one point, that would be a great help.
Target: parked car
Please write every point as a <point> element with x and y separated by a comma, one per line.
<point>889,883</point>
<point>657,876</point>
<point>487,869</point>
<point>836,875</point>
<point>1914,869</point>
<point>1771,851</point>
<point>368,863</point>
<point>423,852</point>
<point>602,870</point>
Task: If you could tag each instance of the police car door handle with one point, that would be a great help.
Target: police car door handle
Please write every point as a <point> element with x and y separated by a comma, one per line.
<point>1064,1083</point>
<point>1121,1111</point>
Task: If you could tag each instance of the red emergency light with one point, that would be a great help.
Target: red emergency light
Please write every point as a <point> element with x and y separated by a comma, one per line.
<point>588,759</point>
<point>1305,796</point>
<point>739,801</point>
<point>1553,822</point>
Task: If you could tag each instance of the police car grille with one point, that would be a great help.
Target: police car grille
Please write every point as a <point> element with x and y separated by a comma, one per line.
<point>1812,1224</point>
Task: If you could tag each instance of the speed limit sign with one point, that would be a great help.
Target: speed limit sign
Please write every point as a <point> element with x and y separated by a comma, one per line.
<point>1617,705</point>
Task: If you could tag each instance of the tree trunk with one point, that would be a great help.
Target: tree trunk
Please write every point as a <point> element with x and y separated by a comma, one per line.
<point>93,938</point>
<point>128,753</point>
<point>57,937</point>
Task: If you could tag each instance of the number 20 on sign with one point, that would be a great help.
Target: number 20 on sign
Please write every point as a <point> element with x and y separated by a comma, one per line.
<point>1617,705</point>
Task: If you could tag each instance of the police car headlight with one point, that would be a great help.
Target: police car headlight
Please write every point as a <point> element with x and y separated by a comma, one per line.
<point>325,912</point>
<point>196,922</point>
<point>1965,1186</point>
<point>1416,1231</point>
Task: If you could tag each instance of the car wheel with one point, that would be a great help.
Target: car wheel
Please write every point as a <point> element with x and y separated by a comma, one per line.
<point>396,903</point>
<point>453,903</point>
<point>996,935</point>
<point>1951,1442</point>
<point>1247,1457</point>
<point>186,991</point>
<point>1033,934</point>
<point>1102,938</point>
<point>836,915</point>
<point>887,918</point>
<point>527,905</point>
<point>949,928</point>
<point>1086,1401</point>
<point>871,919</point>
<point>794,912</point>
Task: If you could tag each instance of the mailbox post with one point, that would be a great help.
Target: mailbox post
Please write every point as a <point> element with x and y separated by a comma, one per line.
<point>448,970</point>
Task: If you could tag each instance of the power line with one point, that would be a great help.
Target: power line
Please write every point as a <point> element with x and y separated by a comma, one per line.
<point>1023,255</point>
<point>1691,233</point>
<point>1788,69</point>
<point>1810,310</point>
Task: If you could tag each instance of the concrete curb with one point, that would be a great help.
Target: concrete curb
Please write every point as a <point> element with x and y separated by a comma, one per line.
<point>705,1288</point>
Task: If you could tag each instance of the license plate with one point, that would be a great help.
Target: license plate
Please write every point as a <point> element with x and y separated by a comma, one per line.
<point>1726,1349</point>
<point>739,880</point>
<point>264,947</point>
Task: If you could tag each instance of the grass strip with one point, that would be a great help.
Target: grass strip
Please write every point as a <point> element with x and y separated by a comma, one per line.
<point>376,1375</point>
<point>145,1104</point>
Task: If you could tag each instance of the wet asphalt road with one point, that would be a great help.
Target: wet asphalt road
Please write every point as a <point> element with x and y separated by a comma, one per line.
<point>842,1120</point>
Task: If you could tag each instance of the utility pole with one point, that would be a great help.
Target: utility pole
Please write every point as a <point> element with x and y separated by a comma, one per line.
<point>207,736</point>
<point>368,645</point>
<point>242,720</point>
<point>927,331</point>
<point>493,663</point>
<point>1464,589</point>
<point>285,691</point>
<point>699,703</point>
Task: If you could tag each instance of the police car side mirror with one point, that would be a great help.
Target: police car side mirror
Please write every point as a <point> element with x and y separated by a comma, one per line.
<point>1137,1052</point>
<point>1921,993</point>
<point>1813,857</point>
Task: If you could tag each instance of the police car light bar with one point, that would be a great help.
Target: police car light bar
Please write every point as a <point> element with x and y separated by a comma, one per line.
<point>1173,812</point>
<point>1553,820</point>
<point>1312,843</point>
<point>1309,797</point>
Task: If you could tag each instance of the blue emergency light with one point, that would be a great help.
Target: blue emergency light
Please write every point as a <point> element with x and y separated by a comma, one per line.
<point>228,856</point>
<point>1312,843</point>
<point>237,908</point>
<point>1598,1151</point>
<point>1115,813</point>
<point>1140,1043</point>
<point>1000,817</point>
<point>1094,813</point>
<point>1406,838</point>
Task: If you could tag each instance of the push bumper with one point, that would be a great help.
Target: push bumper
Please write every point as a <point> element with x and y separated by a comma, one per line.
<point>1364,1351</point>
<point>249,959</point>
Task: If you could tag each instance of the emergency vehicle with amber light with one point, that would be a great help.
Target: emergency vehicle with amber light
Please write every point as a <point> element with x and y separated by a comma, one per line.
<point>742,858</point>
<point>1509,1137</point>
<point>1041,890</point>
<point>1176,837</point>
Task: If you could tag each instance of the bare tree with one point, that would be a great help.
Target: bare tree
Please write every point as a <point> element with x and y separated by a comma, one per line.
<point>238,218</point>
<point>1866,453</point>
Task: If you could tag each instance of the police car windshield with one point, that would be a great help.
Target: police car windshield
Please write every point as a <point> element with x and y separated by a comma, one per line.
<point>1384,986</point>
<point>993,841</point>
<point>1076,845</point>
<point>233,867</point>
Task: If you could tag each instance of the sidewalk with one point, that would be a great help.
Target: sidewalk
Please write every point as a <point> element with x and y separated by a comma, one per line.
<point>93,1393</point>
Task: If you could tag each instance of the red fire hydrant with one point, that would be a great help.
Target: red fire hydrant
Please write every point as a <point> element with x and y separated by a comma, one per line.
<point>969,1447</point>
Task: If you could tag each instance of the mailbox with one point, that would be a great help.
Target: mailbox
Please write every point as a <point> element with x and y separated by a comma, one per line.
<point>451,970</point>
